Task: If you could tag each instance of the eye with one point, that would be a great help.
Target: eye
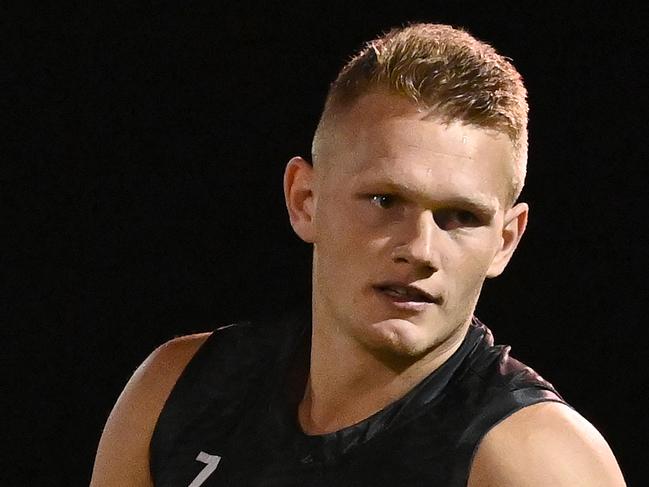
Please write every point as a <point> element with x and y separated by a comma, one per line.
<point>384,201</point>
<point>450,219</point>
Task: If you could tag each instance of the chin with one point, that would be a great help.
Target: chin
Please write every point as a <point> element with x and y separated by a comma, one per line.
<point>399,338</point>
<point>400,342</point>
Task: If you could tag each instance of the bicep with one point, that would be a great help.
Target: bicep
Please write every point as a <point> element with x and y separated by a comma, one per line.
<point>545,444</point>
<point>123,453</point>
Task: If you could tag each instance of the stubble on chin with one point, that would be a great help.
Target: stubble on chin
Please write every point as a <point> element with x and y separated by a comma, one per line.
<point>401,345</point>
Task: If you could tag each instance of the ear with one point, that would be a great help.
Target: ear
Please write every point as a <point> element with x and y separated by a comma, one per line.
<point>513,229</point>
<point>298,193</point>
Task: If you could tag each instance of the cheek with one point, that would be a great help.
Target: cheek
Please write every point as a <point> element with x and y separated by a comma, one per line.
<point>337,245</point>
<point>472,269</point>
<point>349,255</point>
<point>339,230</point>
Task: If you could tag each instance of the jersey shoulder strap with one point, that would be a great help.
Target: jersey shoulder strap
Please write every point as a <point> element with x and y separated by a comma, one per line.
<point>224,377</point>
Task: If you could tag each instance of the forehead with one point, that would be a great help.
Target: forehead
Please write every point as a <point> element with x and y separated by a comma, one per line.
<point>385,137</point>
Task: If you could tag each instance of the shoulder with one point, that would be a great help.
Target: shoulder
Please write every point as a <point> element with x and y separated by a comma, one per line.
<point>123,452</point>
<point>166,363</point>
<point>544,444</point>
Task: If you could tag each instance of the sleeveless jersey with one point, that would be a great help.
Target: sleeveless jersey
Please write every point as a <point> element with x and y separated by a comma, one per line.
<point>231,420</point>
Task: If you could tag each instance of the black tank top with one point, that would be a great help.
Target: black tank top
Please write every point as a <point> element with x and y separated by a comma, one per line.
<point>231,419</point>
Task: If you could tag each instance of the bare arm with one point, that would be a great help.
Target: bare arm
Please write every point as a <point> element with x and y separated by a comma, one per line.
<point>123,454</point>
<point>547,444</point>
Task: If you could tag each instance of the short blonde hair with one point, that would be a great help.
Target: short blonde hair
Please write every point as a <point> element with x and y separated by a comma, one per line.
<point>446,71</point>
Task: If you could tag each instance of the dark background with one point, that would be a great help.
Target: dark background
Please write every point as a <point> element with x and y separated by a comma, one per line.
<point>142,191</point>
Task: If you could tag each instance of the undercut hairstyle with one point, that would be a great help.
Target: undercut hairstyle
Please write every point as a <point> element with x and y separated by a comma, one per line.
<point>445,71</point>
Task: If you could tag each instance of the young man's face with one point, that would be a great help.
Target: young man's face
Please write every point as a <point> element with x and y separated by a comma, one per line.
<point>409,216</point>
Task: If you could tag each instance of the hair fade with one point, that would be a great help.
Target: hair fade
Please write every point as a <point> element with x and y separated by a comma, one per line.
<point>446,71</point>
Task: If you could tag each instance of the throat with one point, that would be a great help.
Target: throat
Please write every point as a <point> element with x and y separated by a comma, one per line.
<point>319,417</point>
<point>334,400</point>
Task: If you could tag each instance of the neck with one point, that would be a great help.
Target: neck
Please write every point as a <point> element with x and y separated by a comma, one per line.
<point>348,383</point>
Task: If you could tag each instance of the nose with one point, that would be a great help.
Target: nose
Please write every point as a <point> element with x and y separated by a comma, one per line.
<point>418,242</point>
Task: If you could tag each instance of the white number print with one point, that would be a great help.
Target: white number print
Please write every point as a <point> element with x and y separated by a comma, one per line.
<point>211,462</point>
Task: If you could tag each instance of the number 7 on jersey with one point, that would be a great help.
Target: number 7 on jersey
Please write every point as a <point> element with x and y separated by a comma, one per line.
<point>211,462</point>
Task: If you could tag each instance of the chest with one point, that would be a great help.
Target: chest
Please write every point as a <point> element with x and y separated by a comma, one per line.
<point>261,452</point>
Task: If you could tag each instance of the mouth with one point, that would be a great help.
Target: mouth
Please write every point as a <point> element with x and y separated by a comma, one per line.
<point>406,293</point>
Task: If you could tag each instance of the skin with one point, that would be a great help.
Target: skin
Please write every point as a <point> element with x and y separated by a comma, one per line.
<point>547,444</point>
<point>387,199</point>
<point>394,195</point>
<point>123,453</point>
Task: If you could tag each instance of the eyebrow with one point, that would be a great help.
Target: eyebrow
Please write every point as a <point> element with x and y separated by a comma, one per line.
<point>482,206</point>
<point>479,206</point>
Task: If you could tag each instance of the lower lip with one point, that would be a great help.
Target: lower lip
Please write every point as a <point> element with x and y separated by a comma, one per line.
<point>399,303</point>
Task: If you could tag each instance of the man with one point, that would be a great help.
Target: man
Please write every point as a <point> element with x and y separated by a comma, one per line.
<point>410,204</point>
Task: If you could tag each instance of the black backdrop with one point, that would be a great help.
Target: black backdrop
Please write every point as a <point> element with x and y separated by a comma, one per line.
<point>142,179</point>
